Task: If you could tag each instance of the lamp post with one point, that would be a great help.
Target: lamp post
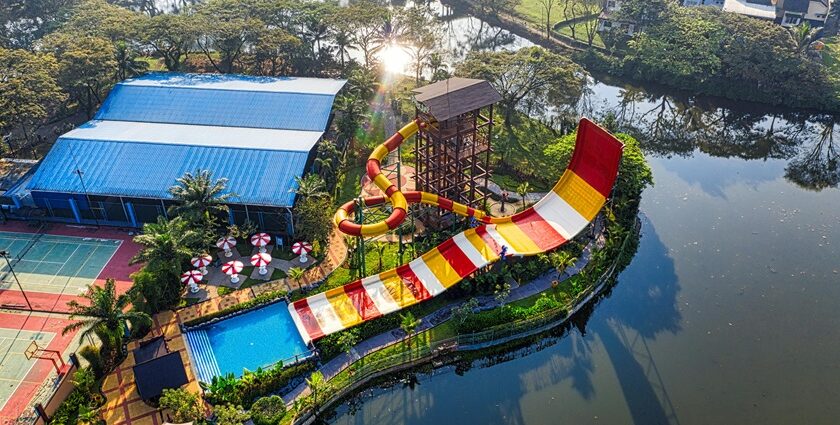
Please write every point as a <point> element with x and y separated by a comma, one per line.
<point>5,254</point>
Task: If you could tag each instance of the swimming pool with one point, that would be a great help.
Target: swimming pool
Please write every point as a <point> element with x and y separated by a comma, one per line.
<point>258,338</point>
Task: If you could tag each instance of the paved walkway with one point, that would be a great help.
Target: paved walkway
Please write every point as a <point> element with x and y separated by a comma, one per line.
<point>123,405</point>
<point>486,302</point>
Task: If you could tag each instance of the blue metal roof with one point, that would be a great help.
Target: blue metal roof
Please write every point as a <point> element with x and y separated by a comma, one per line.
<point>218,107</point>
<point>148,170</point>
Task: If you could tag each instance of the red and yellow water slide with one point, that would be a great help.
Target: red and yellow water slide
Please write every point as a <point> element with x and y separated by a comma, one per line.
<point>560,215</point>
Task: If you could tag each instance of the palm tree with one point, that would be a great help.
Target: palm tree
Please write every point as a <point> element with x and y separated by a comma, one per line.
<point>408,324</point>
<point>802,36</point>
<point>320,389</point>
<point>561,260</point>
<point>104,311</point>
<point>200,197</point>
<point>310,186</point>
<point>296,273</point>
<point>166,244</point>
<point>522,190</point>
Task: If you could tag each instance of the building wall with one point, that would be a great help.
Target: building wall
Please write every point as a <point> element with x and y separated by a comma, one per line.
<point>134,212</point>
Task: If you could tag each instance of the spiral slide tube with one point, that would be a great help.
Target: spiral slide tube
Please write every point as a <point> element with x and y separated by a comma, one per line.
<point>560,215</point>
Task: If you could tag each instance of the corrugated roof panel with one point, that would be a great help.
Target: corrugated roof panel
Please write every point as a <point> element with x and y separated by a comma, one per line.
<point>240,82</point>
<point>230,108</point>
<point>197,135</point>
<point>147,170</point>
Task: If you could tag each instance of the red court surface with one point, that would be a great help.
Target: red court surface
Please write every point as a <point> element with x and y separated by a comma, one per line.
<point>117,267</point>
<point>23,380</point>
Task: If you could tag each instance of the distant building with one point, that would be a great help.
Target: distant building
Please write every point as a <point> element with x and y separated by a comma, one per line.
<point>785,12</point>
<point>258,132</point>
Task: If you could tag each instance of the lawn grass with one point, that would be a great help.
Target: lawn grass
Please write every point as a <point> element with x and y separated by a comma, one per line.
<point>580,34</point>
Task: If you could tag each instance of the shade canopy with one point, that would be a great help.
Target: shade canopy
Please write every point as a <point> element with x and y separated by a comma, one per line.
<point>192,276</point>
<point>232,267</point>
<point>227,242</point>
<point>157,369</point>
<point>202,260</point>
<point>260,239</point>
<point>261,259</point>
<point>301,247</point>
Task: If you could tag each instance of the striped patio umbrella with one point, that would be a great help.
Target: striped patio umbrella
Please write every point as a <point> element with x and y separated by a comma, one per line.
<point>201,262</point>
<point>226,243</point>
<point>191,278</point>
<point>261,260</point>
<point>302,248</point>
<point>232,269</point>
<point>261,240</point>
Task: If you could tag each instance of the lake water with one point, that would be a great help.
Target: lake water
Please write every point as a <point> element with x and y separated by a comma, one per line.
<point>727,314</point>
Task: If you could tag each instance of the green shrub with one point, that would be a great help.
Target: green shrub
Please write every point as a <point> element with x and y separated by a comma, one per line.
<point>185,406</point>
<point>268,410</point>
<point>82,401</point>
<point>94,358</point>
<point>231,415</point>
<point>243,391</point>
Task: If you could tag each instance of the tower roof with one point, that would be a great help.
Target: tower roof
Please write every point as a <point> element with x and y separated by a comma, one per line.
<point>455,96</point>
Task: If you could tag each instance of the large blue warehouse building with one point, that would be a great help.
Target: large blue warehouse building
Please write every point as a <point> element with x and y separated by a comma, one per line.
<point>259,133</point>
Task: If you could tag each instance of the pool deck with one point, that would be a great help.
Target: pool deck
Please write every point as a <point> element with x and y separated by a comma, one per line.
<point>117,268</point>
<point>123,405</point>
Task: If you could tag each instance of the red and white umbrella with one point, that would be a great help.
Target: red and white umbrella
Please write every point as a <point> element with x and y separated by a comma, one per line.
<point>261,260</point>
<point>261,240</point>
<point>201,262</point>
<point>226,243</point>
<point>191,278</point>
<point>302,248</point>
<point>232,269</point>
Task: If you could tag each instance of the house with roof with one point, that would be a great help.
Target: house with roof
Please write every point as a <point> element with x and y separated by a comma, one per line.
<point>788,13</point>
<point>259,133</point>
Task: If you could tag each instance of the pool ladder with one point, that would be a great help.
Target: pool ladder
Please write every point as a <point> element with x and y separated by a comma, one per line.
<point>204,360</point>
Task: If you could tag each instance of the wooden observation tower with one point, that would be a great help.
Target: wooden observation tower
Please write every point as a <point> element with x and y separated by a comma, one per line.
<point>452,147</point>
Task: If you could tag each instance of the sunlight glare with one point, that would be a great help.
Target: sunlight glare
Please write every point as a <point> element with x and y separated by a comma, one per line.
<point>394,58</point>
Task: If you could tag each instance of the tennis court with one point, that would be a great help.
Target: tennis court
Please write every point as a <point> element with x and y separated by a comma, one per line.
<point>14,367</point>
<point>54,264</point>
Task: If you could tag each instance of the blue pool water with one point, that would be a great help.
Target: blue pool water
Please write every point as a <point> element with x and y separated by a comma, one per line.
<point>251,340</point>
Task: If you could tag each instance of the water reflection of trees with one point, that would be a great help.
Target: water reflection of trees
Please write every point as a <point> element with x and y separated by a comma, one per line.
<point>669,125</point>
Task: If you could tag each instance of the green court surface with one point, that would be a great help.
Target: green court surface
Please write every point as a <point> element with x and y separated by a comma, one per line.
<point>52,263</point>
<point>13,363</point>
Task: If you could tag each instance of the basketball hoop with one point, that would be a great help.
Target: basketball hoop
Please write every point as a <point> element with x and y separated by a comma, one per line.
<point>33,351</point>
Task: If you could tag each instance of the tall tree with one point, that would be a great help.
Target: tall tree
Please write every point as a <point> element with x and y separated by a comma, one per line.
<point>171,35</point>
<point>645,12</point>
<point>167,246</point>
<point>87,66</point>
<point>104,310</point>
<point>531,74</point>
<point>31,93</point>
<point>200,198</point>
<point>547,6</point>
<point>226,29</point>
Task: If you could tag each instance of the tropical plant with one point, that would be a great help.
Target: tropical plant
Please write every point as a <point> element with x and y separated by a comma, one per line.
<point>127,63</point>
<point>185,406</point>
<point>348,339</point>
<point>380,247</point>
<point>501,293</point>
<point>408,324</point>
<point>96,364</point>
<point>200,198</point>
<point>310,186</point>
<point>320,390</point>
<point>463,311</point>
<point>167,245</point>
<point>296,273</point>
<point>103,310</point>
<point>561,260</point>
<point>223,388</point>
<point>522,190</point>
